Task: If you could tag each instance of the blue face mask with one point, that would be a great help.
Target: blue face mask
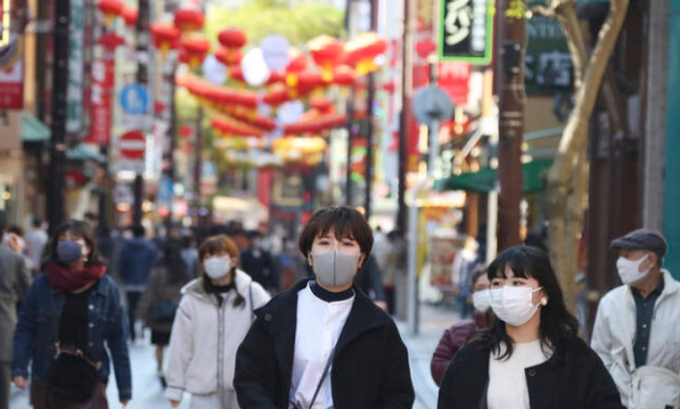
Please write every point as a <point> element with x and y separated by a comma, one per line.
<point>69,251</point>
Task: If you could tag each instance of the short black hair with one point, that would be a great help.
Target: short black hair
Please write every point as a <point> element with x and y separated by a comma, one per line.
<point>37,222</point>
<point>345,221</point>
<point>138,230</point>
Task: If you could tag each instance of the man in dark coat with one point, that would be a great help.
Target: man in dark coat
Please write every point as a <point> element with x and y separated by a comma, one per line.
<point>15,279</point>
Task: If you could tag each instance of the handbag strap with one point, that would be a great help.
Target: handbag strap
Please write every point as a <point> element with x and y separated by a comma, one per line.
<point>627,336</point>
<point>323,376</point>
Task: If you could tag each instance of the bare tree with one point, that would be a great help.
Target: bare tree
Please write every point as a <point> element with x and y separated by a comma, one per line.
<point>568,177</point>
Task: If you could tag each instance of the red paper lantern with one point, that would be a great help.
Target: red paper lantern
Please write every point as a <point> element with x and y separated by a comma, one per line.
<point>425,47</point>
<point>228,56</point>
<point>130,15</point>
<point>275,78</point>
<point>183,56</point>
<point>326,52</point>
<point>297,63</point>
<point>390,87</point>
<point>361,51</point>
<point>236,73</point>
<point>315,125</point>
<point>322,105</point>
<point>344,76</point>
<point>165,36</point>
<point>111,9</point>
<point>189,20</point>
<point>197,47</point>
<point>232,38</point>
<point>230,127</point>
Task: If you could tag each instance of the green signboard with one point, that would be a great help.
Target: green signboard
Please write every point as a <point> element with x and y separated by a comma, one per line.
<point>466,31</point>
<point>548,62</point>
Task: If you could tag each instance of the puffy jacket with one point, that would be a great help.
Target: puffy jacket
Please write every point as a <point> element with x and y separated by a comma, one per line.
<point>452,340</point>
<point>137,257</point>
<point>205,337</point>
<point>664,340</point>
<point>37,332</point>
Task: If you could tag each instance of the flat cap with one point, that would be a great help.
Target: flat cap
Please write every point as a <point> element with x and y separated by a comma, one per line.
<point>642,239</point>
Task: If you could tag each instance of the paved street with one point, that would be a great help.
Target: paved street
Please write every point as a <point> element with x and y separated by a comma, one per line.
<point>148,393</point>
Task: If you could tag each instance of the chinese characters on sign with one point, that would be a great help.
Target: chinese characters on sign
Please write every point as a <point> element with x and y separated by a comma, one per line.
<point>466,31</point>
<point>74,94</point>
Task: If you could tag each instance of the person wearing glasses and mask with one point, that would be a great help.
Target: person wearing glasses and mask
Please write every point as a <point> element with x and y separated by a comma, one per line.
<point>212,319</point>
<point>637,331</point>
<point>531,357</point>
<point>461,332</point>
<point>323,343</point>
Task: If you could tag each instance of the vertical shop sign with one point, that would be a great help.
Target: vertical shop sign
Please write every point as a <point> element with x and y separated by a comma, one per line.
<point>454,77</point>
<point>76,60</point>
<point>466,31</point>
<point>12,86</point>
<point>101,95</point>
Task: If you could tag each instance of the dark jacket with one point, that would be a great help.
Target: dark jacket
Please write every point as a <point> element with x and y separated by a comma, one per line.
<point>575,379</point>
<point>159,290</point>
<point>14,281</point>
<point>370,369</point>
<point>452,340</point>
<point>137,257</point>
<point>36,333</point>
<point>260,267</point>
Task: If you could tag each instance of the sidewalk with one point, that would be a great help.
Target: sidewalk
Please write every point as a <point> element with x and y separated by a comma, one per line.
<point>433,321</point>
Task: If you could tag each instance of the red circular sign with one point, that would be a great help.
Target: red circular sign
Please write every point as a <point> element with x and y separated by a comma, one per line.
<point>132,145</point>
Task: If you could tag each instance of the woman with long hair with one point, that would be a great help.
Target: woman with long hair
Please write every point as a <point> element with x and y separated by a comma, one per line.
<point>531,356</point>
<point>213,317</point>
<point>161,298</point>
<point>71,314</point>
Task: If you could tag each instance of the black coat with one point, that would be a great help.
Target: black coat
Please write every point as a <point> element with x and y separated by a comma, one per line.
<point>576,379</point>
<point>370,369</point>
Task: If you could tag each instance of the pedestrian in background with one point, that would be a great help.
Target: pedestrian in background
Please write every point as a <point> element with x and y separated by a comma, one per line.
<point>36,241</point>
<point>158,306</point>
<point>14,281</point>
<point>531,356</point>
<point>189,252</point>
<point>637,327</point>
<point>214,316</point>
<point>461,332</point>
<point>71,314</point>
<point>258,263</point>
<point>137,257</point>
<point>324,323</point>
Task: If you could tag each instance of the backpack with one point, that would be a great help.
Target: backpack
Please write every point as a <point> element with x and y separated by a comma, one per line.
<point>652,387</point>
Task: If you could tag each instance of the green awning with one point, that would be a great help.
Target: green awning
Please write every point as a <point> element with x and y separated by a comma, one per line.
<point>32,130</point>
<point>485,180</point>
<point>81,152</point>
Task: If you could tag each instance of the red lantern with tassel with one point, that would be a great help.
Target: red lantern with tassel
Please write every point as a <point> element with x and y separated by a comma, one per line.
<point>326,52</point>
<point>232,38</point>
<point>130,15</point>
<point>197,47</point>
<point>298,63</point>
<point>322,105</point>
<point>165,37</point>
<point>189,20</point>
<point>111,10</point>
<point>228,57</point>
<point>362,51</point>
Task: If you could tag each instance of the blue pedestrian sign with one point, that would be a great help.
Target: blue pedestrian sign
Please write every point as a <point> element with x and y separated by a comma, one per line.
<point>134,99</point>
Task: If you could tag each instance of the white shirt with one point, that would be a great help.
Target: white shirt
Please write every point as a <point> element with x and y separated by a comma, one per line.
<point>319,324</point>
<point>507,380</point>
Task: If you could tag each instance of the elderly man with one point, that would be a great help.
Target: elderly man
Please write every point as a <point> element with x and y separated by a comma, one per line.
<point>637,328</point>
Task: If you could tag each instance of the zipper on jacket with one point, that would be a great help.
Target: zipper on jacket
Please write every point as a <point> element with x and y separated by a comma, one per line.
<point>220,343</point>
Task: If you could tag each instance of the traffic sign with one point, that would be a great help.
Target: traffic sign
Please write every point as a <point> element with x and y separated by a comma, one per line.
<point>132,145</point>
<point>134,99</point>
<point>432,103</point>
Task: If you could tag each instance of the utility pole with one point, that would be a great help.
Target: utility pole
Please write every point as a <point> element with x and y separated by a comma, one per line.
<point>142,30</point>
<point>55,186</point>
<point>350,124</point>
<point>512,35</point>
<point>370,117</point>
<point>198,165</point>
<point>404,118</point>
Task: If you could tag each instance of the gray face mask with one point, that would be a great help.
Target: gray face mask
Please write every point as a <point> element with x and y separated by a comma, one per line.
<point>335,268</point>
<point>69,251</point>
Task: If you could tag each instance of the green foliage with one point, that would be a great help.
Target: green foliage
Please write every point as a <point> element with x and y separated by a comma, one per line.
<point>261,18</point>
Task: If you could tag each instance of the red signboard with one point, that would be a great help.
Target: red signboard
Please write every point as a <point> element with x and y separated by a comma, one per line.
<point>454,77</point>
<point>12,86</point>
<point>132,145</point>
<point>103,78</point>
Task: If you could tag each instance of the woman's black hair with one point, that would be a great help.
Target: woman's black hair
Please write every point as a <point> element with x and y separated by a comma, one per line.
<point>79,229</point>
<point>173,261</point>
<point>345,221</point>
<point>559,328</point>
<point>476,274</point>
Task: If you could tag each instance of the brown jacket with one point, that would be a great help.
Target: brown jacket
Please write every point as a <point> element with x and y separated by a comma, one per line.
<point>158,289</point>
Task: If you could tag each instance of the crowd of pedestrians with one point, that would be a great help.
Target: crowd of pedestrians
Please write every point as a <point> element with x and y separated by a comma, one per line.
<point>326,339</point>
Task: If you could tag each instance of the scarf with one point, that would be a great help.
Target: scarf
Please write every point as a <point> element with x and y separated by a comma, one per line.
<point>68,281</point>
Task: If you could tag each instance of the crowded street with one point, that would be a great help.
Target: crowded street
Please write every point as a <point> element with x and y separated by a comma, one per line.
<point>339,204</point>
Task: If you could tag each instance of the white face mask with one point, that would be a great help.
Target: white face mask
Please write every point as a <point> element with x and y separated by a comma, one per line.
<point>514,305</point>
<point>216,267</point>
<point>481,300</point>
<point>629,269</point>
